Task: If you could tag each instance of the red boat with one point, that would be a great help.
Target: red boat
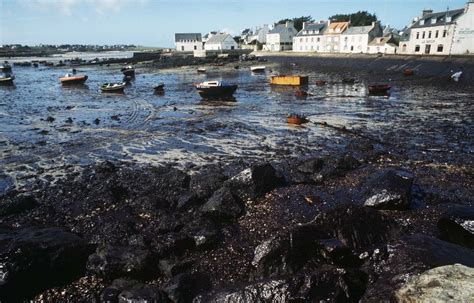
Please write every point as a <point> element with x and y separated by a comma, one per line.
<point>379,89</point>
<point>296,119</point>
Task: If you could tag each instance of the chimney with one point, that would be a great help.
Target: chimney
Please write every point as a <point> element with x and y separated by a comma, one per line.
<point>304,25</point>
<point>426,12</point>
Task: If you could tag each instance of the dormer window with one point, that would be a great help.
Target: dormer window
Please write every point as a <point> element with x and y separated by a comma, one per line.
<point>422,22</point>
<point>338,30</point>
<point>433,20</point>
<point>448,19</point>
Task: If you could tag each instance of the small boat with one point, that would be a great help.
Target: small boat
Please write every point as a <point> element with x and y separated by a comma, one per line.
<point>201,70</point>
<point>348,80</point>
<point>408,72</point>
<point>320,82</point>
<point>128,71</point>
<point>289,80</point>
<point>68,79</point>
<point>297,119</point>
<point>112,87</point>
<point>160,87</point>
<point>301,94</point>
<point>5,68</point>
<point>456,76</point>
<point>215,89</point>
<point>7,79</point>
<point>258,69</point>
<point>379,89</point>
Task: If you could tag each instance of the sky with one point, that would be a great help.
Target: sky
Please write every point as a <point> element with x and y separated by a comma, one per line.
<point>154,22</point>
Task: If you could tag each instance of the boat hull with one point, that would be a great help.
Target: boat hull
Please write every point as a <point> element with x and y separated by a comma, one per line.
<point>217,91</point>
<point>113,89</point>
<point>379,89</point>
<point>296,120</point>
<point>8,81</point>
<point>289,80</point>
<point>73,80</point>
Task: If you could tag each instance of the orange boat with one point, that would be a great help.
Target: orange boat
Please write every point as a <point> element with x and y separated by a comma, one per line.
<point>68,79</point>
<point>408,72</point>
<point>296,119</point>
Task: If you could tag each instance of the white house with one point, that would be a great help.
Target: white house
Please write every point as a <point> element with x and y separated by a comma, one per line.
<point>463,38</point>
<point>280,38</point>
<point>188,42</point>
<point>332,36</point>
<point>431,34</point>
<point>221,41</point>
<point>356,39</point>
<point>310,38</point>
<point>383,45</point>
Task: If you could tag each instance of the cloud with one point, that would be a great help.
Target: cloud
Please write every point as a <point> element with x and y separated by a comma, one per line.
<point>68,7</point>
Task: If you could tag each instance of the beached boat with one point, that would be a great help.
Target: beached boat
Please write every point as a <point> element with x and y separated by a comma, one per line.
<point>215,89</point>
<point>320,82</point>
<point>7,79</point>
<point>159,87</point>
<point>5,68</point>
<point>128,71</point>
<point>296,119</point>
<point>201,70</point>
<point>69,79</point>
<point>379,89</point>
<point>408,72</point>
<point>348,80</point>
<point>289,80</point>
<point>112,87</point>
<point>258,69</point>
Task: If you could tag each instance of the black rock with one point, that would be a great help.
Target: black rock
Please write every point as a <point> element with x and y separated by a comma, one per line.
<point>50,119</point>
<point>111,292</point>
<point>223,205</point>
<point>32,260</point>
<point>389,266</point>
<point>18,205</point>
<point>184,287</point>
<point>113,262</point>
<point>141,294</point>
<point>203,231</point>
<point>254,181</point>
<point>456,225</point>
<point>356,226</point>
<point>389,189</point>
<point>173,267</point>
<point>206,182</point>
<point>286,254</point>
<point>172,244</point>
<point>311,166</point>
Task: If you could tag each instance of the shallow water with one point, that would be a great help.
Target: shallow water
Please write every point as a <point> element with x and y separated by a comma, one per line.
<point>179,127</point>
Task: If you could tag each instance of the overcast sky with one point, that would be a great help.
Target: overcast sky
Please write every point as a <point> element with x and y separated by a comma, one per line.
<point>153,22</point>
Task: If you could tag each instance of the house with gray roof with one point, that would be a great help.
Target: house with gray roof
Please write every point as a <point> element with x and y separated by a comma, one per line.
<point>310,38</point>
<point>431,33</point>
<point>188,42</point>
<point>356,39</point>
<point>221,41</point>
<point>280,38</point>
<point>383,45</point>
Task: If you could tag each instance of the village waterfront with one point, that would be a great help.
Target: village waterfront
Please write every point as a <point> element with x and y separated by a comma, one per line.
<point>150,180</point>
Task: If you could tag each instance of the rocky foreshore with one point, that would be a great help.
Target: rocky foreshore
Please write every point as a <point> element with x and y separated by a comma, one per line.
<point>364,224</point>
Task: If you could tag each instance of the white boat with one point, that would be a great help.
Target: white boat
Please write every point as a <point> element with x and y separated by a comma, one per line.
<point>201,70</point>
<point>258,69</point>
<point>7,79</point>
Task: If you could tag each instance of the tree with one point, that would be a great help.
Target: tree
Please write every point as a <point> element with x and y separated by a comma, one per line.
<point>297,22</point>
<point>361,18</point>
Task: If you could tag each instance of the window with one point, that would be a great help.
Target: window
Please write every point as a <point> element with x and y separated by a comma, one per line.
<point>429,34</point>
<point>182,47</point>
<point>423,35</point>
<point>433,20</point>
<point>301,39</point>
<point>195,47</point>
<point>417,48</point>
<point>436,34</point>
<point>422,22</point>
<point>352,48</point>
<point>312,39</point>
<point>440,48</point>
<point>445,33</point>
<point>417,35</point>
<point>318,39</point>
<point>404,48</point>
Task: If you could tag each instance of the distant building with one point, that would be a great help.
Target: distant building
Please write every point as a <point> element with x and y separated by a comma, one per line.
<point>463,38</point>
<point>332,36</point>
<point>431,34</point>
<point>280,38</point>
<point>188,42</point>
<point>310,38</point>
<point>208,36</point>
<point>356,39</point>
<point>221,41</point>
<point>383,45</point>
